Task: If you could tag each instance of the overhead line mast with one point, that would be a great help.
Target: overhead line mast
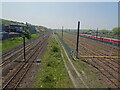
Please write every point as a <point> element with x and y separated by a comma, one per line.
<point>77,39</point>
<point>62,32</point>
<point>97,32</point>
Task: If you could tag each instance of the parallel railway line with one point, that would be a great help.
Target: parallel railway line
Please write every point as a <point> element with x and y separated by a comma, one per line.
<point>94,53</point>
<point>40,53</point>
<point>97,46</point>
<point>15,49</point>
<point>108,68</point>
<point>8,65</point>
<point>20,72</point>
<point>8,57</point>
<point>94,50</point>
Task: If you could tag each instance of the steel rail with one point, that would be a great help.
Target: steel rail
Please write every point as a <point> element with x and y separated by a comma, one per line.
<point>20,54</point>
<point>106,70</point>
<point>42,48</point>
<point>6,53</point>
<point>5,86</point>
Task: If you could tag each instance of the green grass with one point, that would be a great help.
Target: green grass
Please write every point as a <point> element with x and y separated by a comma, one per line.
<point>89,76</point>
<point>53,73</point>
<point>35,35</point>
<point>9,43</point>
<point>0,47</point>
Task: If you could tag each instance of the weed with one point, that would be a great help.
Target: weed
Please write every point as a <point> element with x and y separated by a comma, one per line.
<point>53,72</point>
<point>49,78</point>
<point>55,49</point>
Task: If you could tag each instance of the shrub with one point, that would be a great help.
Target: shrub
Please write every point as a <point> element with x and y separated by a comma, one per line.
<point>26,33</point>
<point>55,49</point>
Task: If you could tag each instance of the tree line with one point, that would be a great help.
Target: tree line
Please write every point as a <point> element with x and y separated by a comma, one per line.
<point>115,31</point>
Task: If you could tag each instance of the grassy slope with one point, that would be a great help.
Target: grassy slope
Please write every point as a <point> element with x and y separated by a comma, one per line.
<point>8,44</point>
<point>53,73</point>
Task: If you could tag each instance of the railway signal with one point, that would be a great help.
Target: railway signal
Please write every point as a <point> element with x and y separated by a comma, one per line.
<point>77,39</point>
<point>23,36</point>
<point>24,48</point>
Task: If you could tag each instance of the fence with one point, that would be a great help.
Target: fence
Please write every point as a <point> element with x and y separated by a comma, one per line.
<point>69,50</point>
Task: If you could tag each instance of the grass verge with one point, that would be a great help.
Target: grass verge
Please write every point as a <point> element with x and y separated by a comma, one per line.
<point>0,47</point>
<point>53,73</point>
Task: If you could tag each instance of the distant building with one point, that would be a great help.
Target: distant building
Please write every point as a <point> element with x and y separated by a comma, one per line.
<point>38,29</point>
<point>13,30</point>
<point>4,35</point>
<point>3,27</point>
<point>8,31</point>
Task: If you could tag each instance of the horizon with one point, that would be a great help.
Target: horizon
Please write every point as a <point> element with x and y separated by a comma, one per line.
<point>54,15</point>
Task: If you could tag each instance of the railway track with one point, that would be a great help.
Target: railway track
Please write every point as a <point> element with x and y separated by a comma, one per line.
<point>102,44</point>
<point>97,45</point>
<point>106,79</point>
<point>13,50</point>
<point>20,53</point>
<point>94,50</point>
<point>8,65</point>
<point>86,50</point>
<point>109,71</point>
<point>43,48</point>
<point>8,57</point>
<point>18,75</point>
<point>75,76</point>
